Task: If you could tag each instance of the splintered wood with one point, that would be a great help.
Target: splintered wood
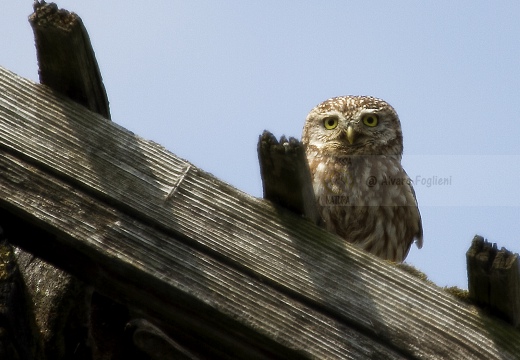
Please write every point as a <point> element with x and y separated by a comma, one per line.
<point>494,279</point>
<point>66,60</point>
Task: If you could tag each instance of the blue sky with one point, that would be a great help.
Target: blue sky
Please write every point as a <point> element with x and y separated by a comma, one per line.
<point>204,79</point>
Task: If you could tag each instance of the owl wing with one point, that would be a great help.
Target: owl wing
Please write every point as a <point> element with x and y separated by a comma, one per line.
<point>418,236</point>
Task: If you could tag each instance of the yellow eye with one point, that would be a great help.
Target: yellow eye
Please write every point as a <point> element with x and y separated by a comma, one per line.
<point>370,120</point>
<point>330,122</point>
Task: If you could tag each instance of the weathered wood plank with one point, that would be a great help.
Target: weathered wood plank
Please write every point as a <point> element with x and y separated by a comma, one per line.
<point>66,58</point>
<point>494,279</point>
<point>237,254</point>
<point>133,262</point>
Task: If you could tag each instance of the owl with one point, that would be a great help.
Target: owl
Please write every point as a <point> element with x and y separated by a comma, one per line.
<point>354,146</point>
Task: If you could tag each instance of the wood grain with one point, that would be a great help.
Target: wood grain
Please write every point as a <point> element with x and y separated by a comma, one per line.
<point>153,229</point>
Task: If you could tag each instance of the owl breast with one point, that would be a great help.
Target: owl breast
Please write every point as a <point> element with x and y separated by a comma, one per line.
<point>367,200</point>
<point>354,146</point>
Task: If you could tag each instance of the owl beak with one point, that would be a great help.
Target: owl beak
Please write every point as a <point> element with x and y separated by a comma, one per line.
<point>350,135</point>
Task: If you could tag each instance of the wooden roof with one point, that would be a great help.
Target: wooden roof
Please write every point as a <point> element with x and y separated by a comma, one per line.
<point>244,276</point>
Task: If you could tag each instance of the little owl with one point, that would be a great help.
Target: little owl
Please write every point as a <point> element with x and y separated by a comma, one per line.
<point>354,146</point>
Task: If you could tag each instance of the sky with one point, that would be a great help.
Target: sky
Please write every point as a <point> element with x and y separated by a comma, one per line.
<point>205,78</point>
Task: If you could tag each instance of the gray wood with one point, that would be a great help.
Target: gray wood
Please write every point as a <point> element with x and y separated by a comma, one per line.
<point>494,279</point>
<point>66,59</point>
<point>146,227</point>
<point>133,262</point>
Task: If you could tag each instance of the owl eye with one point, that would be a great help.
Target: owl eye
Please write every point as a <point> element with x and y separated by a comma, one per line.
<point>330,122</point>
<point>370,120</point>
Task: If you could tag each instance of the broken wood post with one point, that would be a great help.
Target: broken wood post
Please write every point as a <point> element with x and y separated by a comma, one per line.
<point>66,59</point>
<point>494,279</point>
<point>286,178</point>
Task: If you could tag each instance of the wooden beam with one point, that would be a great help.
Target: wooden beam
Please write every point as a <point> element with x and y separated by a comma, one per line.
<point>133,262</point>
<point>494,279</point>
<point>66,59</point>
<point>148,228</point>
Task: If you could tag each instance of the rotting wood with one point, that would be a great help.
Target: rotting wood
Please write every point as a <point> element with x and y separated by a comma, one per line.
<point>285,175</point>
<point>66,59</point>
<point>60,302</point>
<point>226,263</point>
<point>494,279</point>
<point>18,335</point>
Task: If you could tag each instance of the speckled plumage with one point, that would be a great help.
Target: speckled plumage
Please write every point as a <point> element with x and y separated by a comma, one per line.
<point>354,146</point>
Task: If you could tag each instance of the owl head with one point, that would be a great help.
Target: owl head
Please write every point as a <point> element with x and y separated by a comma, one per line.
<point>353,125</point>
